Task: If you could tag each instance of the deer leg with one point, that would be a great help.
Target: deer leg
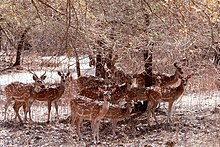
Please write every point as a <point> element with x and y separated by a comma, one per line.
<point>153,112</point>
<point>169,112</point>
<point>49,109</point>
<point>16,108</point>
<point>56,107</point>
<point>114,125</point>
<point>26,110</point>
<point>78,122</point>
<point>94,130</point>
<point>19,117</point>
<point>29,110</point>
<point>73,118</point>
<point>149,110</point>
<point>154,116</point>
<point>24,107</point>
<point>9,99</point>
<point>92,125</point>
<point>97,131</point>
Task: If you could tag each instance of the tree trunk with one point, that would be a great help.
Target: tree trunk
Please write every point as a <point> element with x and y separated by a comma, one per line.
<point>216,61</point>
<point>77,63</point>
<point>141,107</point>
<point>148,74</point>
<point>148,68</point>
<point>98,61</point>
<point>20,47</point>
<point>0,38</point>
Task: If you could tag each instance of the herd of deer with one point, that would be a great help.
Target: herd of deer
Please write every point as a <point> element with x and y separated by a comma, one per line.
<point>96,101</point>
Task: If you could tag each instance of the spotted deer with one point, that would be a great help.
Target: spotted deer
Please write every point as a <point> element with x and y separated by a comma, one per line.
<point>88,87</point>
<point>169,94</point>
<point>166,79</point>
<point>83,108</point>
<point>49,95</point>
<point>89,81</point>
<point>116,113</point>
<point>16,107</point>
<point>23,93</point>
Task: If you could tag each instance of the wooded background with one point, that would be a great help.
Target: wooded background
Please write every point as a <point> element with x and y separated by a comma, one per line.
<point>171,30</point>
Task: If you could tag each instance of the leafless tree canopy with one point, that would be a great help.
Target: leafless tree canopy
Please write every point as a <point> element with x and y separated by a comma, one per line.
<point>171,30</point>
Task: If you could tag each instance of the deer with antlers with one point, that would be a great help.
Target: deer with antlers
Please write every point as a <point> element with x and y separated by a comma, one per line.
<point>83,108</point>
<point>157,94</point>
<point>23,93</point>
<point>49,95</point>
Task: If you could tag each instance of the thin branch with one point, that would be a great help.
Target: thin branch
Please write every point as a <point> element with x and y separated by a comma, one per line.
<point>32,1</point>
<point>7,37</point>
<point>209,20</point>
<point>148,5</point>
<point>51,7</point>
<point>177,19</point>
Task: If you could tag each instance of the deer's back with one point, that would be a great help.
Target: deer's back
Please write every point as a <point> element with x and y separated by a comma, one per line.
<point>18,89</point>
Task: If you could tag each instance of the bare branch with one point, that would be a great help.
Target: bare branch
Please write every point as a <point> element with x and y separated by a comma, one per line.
<point>51,7</point>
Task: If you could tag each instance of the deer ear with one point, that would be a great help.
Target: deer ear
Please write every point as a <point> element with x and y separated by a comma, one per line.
<point>43,77</point>
<point>59,73</point>
<point>35,77</point>
<point>68,74</point>
<point>175,64</point>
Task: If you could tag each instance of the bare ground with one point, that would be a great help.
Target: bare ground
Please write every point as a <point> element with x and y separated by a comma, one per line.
<point>196,120</point>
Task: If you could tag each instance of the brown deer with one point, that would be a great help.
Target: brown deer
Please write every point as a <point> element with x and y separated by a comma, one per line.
<point>157,94</point>
<point>89,81</point>
<point>22,93</point>
<point>16,107</point>
<point>166,80</point>
<point>93,93</point>
<point>83,108</point>
<point>88,87</point>
<point>116,113</point>
<point>48,94</point>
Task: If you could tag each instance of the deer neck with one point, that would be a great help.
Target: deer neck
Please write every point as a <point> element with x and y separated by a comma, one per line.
<point>174,77</point>
<point>105,107</point>
<point>127,110</point>
<point>180,89</point>
<point>172,93</point>
<point>61,88</point>
<point>34,88</point>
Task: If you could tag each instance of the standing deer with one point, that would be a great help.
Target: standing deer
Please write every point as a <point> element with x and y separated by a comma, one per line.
<point>22,93</point>
<point>83,108</point>
<point>88,87</point>
<point>166,79</point>
<point>169,94</point>
<point>16,107</point>
<point>116,113</point>
<point>48,94</point>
